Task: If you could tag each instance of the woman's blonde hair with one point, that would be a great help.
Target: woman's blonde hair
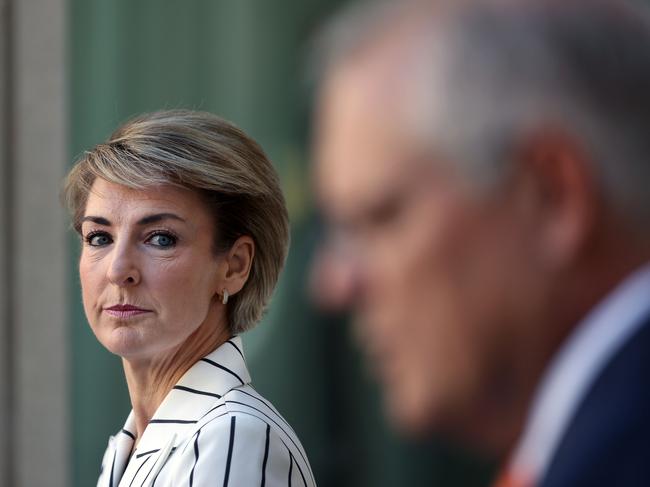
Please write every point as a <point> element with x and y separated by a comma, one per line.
<point>201,152</point>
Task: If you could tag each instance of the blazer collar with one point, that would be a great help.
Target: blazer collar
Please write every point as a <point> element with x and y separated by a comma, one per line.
<point>195,394</point>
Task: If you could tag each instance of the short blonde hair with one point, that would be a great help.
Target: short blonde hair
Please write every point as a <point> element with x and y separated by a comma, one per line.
<point>201,152</point>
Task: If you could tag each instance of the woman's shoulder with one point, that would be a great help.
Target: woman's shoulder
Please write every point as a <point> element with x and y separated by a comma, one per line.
<point>245,427</point>
<point>248,410</point>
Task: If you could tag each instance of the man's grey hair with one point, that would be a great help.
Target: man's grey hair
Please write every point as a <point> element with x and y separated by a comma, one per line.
<point>488,72</point>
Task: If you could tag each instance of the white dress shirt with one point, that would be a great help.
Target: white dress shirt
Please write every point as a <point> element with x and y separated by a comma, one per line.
<point>212,429</point>
<point>576,366</point>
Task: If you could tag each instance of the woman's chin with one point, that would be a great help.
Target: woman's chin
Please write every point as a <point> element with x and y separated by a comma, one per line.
<point>125,341</point>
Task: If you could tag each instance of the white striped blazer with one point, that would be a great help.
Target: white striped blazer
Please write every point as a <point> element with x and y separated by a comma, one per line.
<point>212,429</point>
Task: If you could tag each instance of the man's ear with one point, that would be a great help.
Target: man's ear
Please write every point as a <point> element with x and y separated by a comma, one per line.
<point>561,191</point>
<point>238,262</point>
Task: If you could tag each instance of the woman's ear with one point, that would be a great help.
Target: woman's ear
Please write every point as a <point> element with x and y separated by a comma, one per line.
<point>239,261</point>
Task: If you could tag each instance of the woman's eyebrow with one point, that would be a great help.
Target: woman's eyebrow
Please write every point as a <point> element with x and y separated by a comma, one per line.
<point>158,217</point>
<point>147,220</point>
<point>96,219</point>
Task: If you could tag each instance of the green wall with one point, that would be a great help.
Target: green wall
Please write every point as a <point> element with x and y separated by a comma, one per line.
<point>244,60</point>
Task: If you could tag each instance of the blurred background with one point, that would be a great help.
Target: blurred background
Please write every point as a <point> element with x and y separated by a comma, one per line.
<point>70,72</point>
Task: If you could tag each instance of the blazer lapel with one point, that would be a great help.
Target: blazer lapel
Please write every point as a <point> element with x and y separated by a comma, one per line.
<point>117,455</point>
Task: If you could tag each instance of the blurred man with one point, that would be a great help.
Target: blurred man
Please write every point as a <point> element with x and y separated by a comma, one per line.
<point>485,167</point>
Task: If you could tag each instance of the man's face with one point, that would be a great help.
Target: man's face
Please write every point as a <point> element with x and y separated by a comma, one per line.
<point>436,273</point>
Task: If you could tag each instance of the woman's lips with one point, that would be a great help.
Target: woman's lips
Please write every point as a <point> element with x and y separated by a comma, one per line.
<point>124,311</point>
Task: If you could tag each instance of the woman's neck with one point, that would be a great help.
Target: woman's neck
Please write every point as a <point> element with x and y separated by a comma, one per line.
<point>150,379</point>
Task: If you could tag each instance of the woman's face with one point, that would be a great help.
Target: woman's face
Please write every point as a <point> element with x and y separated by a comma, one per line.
<point>149,275</point>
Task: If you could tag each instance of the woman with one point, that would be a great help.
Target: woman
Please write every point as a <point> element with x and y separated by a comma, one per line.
<point>184,232</point>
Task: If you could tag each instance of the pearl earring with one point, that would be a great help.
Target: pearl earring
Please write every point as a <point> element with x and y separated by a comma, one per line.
<point>224,299</point>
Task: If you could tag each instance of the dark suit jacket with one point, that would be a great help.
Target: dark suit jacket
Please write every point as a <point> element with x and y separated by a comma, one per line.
<point>608,440</point>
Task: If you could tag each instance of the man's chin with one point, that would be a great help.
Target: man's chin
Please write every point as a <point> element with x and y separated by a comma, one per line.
<point>411,418</point>
<point>420,417</point>
<point>421,421</point>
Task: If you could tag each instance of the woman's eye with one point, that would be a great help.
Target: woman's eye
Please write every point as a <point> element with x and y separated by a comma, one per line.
<point>98,239</point>
<point>163,240</point>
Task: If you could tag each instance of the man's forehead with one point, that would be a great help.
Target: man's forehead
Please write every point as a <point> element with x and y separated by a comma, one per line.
<point>366,143</point>
<point>354,153</point>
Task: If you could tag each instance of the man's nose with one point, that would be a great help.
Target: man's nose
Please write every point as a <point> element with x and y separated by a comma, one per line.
<point>123,269</point>
<point>335,279</point>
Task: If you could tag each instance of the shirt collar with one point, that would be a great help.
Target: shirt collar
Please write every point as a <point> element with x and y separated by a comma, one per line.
<point>198,391</point>
<point>576,365</point>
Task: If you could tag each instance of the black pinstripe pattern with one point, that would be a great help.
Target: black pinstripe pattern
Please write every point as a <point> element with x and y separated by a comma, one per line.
<point>170,421</point>
<point>225,369</point>
<point>231,444</point>
<point>268,405</point>
<point>280,427</point>
<point>196,456</point>
<point>266,455</point>
<point>285,445</point>
<point>138,470</point>
<point>113,469</point>
<point>290,467</point>
<point>128,433</point>
<point>140,455</point>
<point>196,391</point>
<point>149,472</point>
<point>230,342</point>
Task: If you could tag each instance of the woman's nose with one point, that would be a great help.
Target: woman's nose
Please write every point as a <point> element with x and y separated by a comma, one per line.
<point>123,269</point>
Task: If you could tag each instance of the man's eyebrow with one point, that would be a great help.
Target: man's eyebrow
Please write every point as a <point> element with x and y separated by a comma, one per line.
<point>147,220</point>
